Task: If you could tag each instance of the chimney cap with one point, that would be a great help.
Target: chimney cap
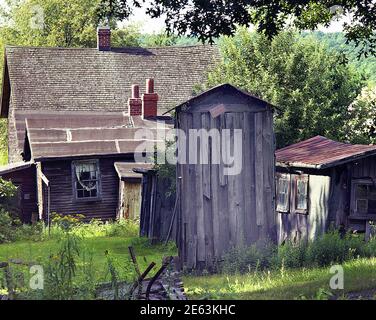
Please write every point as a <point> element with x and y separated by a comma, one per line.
<point>106,27</point>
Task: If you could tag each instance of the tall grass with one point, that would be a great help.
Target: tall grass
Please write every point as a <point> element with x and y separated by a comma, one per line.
<point>327,249</point>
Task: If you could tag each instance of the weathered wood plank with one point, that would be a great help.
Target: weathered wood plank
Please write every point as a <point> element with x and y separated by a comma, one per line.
<point>259,167</point>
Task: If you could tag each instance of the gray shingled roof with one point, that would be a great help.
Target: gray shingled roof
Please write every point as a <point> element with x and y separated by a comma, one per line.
<point>88,79</point>
<point>60,135</point>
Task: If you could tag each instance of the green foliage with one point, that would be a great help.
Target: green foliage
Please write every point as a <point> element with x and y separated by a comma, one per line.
<point>301,283</point>
<point>7,189</point>
<point>6,227</point>
<point>331,248</point>
<point>128,37</point>
<point>3,141</point>
<point>300,75</point>
<point>123,228</point>
<point>61,269</point>
<point>361,118</point>
<point>207,20</point>
<point>248,258</point>
<point>336,41</point>
<point>327,249</point>
<point>291,255</point>
<point>163,39</point>
<point>54,23</point>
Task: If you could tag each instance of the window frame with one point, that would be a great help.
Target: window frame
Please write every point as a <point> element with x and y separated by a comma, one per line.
<point>354,183</point>
<point>74,181</point>
<point>294,193</point>
<point>287,177</point>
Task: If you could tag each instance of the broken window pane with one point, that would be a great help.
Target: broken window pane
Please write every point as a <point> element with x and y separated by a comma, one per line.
<point>86,179</point>
<point>301,194</point>
<point>283,186</point>
<point>365,198</point>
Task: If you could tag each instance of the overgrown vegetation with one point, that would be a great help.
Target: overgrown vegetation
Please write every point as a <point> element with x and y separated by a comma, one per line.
<point>290,271</point>
<point>327,249</point>
<point>78,256</point>
<point>285,283</point>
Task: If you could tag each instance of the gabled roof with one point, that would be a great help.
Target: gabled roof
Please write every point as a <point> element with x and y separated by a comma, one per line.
<point>225,94</point>
<point>60,135</point>
<point>320,153</point>
<point>88,79</point>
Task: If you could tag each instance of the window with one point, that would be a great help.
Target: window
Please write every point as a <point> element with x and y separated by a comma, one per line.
<point>292,193</point>
<point>86,179</point>
<point>283,192</point>
<point>364,197</point>
<point>300,194</point>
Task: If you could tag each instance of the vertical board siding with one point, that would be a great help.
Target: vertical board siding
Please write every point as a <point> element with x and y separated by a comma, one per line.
<point>219,211</point>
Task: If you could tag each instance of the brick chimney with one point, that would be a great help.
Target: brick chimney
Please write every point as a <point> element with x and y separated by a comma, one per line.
<point>104,38</point>
<point>150,100</point>
<point>135,102</point>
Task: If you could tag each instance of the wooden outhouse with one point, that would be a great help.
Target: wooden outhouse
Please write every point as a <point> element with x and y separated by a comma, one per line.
<point>225,174</point>
<point>323,183</point>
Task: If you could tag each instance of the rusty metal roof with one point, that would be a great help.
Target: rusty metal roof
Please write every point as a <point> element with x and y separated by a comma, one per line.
<point>125,169</point>
<point>61,135</point>
<point>320,153</point>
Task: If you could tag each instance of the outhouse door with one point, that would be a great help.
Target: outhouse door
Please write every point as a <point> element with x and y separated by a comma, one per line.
<point>130,196</point>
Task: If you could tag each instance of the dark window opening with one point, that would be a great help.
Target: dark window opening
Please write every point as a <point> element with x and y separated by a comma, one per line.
<point>86,179</point>
<point>365,198</point>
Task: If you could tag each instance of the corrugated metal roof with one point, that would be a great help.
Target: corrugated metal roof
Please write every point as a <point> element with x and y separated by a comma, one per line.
<point>61,135</point>
<point>15,167</point>
<point>125,169</point>
<point>320,153</point>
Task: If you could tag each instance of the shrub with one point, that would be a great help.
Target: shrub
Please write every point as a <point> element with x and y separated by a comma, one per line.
<point>331,248</point>
<point>6,227</point>
<point>123,228</point>
<point>369,249</point>
<point>248,258</point>
<point>292,255</point>
<point>34,232</point>
<point>66,222</point>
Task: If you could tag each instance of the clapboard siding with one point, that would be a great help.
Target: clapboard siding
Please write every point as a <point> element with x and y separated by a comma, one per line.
<point>219,211</point>
<point>59,173</point>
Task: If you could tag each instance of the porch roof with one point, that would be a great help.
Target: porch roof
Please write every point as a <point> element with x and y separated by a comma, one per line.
<point>125,169</point>
<point>17,166</point>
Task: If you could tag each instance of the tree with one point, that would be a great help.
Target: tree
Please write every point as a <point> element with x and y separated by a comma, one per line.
<point>361,120</point>
<point>54,23</point>
<point>208,19</point>
<point>299,75</point>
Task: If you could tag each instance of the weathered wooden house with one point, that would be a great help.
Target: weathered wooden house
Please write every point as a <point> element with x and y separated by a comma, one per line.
<point>225,183</point>
<point>323,183</point>
<point>84,161</point>
<point>59,91</point>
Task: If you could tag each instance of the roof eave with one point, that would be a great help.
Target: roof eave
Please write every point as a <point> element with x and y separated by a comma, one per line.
<point>326,165</point>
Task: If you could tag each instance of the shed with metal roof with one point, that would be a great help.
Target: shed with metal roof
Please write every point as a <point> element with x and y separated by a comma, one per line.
<point>322,183</point>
